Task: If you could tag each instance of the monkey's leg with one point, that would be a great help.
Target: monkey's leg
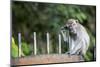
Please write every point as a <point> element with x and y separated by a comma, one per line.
<point>76,47</point>
<point>71,45</point>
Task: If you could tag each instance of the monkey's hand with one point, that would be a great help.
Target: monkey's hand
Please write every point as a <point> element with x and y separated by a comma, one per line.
<point>65,34</point>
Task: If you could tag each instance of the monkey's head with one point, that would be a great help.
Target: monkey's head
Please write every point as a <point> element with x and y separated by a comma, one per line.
<point>71,25</point>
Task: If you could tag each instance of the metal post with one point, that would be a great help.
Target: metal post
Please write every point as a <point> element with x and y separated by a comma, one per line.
<point>19,42</point>
<point>35,46</point>
<point>48,43</point>
<point>59,43</point>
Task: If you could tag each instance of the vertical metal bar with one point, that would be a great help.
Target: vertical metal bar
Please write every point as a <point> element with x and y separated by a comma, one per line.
<point>59,43</point>
<point>19,42</point>
<point>48,43</point>
<point>35,46</point>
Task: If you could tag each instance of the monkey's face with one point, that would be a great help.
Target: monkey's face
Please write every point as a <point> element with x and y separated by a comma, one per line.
<point>71,25</point>
<point>69,29</point>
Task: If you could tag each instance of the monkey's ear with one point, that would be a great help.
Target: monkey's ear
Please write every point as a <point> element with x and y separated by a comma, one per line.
<point>77,21</point>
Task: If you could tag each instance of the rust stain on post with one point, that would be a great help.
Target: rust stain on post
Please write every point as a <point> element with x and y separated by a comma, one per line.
<point>45,59</point>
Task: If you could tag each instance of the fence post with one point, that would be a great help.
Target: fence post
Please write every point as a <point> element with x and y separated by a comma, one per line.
<point>35,46</point>
<point>19,44</point>
<point>48,43</point>
<point>59,43</point>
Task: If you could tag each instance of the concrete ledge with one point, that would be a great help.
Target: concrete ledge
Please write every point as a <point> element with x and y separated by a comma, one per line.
<point>45,59</point>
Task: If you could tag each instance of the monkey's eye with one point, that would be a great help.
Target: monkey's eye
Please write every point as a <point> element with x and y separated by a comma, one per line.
<point>76,21</point>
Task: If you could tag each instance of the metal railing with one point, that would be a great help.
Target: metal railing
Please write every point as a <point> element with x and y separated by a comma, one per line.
<point>35,43</point>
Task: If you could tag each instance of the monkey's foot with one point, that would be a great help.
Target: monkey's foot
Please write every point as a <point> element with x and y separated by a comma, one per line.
<point>70,53</point>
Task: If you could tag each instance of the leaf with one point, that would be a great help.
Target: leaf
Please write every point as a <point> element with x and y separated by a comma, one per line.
<point>83,16</point>
<point>25,48</point>
<point>14,51</point>
<point>79,17</point>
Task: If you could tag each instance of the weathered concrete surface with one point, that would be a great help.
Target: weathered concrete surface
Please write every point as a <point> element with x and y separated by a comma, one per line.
<point>45,59</point>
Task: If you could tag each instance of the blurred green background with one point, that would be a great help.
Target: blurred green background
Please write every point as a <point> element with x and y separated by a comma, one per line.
<point>29,17</point>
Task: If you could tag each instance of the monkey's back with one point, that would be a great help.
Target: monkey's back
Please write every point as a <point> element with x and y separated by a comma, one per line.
<point>83,36</point>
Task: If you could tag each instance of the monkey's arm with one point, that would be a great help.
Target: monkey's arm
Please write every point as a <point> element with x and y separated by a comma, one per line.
<point>77,47</point>
<point>65,35</point>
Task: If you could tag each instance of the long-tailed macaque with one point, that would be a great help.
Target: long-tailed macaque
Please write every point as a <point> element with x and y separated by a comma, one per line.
<point>76,35</point>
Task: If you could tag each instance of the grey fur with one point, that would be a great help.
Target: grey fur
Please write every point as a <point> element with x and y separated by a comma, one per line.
<point>77,36</point>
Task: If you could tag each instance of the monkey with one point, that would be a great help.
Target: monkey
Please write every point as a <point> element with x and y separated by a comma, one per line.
<point>76,35</point>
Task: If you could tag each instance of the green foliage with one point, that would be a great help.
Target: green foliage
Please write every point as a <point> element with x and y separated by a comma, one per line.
<point>26,48</point>
<point>14,49</point>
